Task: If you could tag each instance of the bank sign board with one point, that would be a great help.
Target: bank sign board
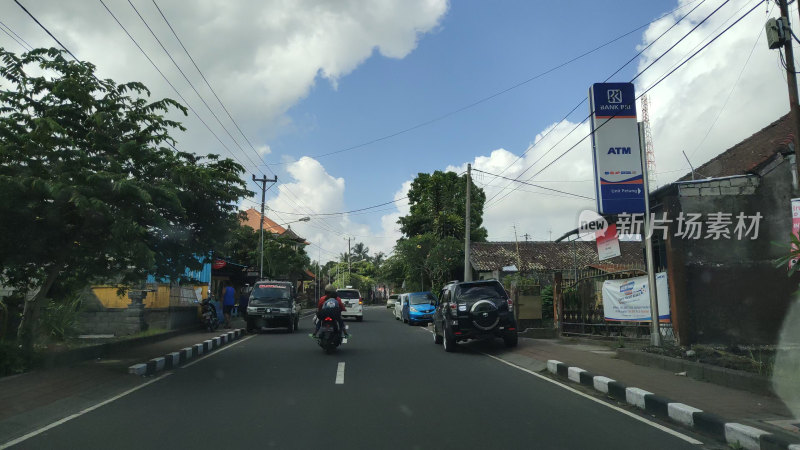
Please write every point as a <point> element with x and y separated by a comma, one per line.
<point>618,170</point>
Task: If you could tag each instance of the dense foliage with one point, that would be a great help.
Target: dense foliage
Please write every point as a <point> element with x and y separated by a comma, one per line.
<point>93,187</point>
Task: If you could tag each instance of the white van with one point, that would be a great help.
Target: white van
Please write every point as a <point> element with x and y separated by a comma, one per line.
<point>353,303</point>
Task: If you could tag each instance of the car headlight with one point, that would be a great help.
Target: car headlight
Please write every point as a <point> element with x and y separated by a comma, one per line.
<point>413,309</point>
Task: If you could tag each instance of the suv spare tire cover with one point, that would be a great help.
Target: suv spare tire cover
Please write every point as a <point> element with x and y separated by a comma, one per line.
<point>484,314</point>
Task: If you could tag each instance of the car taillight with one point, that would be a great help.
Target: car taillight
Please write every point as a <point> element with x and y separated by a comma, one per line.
<point>361,301</point>
<point>328,319</point>
<point>453,307</point>
<point>510,304</point>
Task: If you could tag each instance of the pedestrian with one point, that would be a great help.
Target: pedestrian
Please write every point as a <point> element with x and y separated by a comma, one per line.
<point>244,297</point>
<point>228,302</point>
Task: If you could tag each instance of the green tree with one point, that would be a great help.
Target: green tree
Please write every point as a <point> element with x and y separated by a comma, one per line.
<point>438,206</point>
<point>360,252</point>
<point>91,186</point>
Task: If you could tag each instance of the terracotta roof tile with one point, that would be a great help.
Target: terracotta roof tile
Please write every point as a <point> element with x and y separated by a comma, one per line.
<point>252,222</point>
<point>749,154</point>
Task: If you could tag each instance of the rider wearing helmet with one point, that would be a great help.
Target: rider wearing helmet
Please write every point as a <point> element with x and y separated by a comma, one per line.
<point>336,312</point>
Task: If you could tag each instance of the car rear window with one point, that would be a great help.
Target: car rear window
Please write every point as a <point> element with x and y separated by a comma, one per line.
<point>419,298</point>
<point>394,297</point>
<point>477,291</point>
<point>348,294</point>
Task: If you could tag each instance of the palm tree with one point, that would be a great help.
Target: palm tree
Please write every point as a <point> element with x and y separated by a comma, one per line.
<point>360,252</point>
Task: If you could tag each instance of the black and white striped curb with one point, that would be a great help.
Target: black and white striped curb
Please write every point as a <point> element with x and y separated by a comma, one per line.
<point>732,433</point>
<point>175,359</point>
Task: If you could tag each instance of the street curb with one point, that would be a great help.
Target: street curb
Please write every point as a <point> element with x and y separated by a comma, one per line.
<point>175,359</point>
<point>729,432</point>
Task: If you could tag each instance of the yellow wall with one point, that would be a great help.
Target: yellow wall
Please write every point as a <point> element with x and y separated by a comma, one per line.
<point>159,299</point>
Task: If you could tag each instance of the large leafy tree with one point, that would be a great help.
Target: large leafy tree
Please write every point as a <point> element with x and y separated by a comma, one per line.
<point>438,206</point>
<point>283,258</point>
<point>92,185</point>
<point>431,249</point>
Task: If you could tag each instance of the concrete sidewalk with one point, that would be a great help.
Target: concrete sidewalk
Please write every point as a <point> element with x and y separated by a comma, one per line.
<point>761,411</point>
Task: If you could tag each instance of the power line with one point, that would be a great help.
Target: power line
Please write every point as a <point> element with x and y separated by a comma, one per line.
<point>191,85</point>
<point>188,105</point>
<point>652,86</point>
<point>725,103</point>
<point>351,211</point>
<point>530,147</point>
<point>640,52</point>
<point>17,38</point>
<point>496,94</point>
<point>45,29</point>
<point>207,82</point>
<point>534,185</point>
<point>648,89</point>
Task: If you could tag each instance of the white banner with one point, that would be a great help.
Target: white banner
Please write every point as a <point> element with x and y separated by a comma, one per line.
<point>629,299</point>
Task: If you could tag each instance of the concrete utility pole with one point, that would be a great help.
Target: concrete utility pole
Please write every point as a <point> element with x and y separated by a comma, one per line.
<point>263,180</point>
<point>791,81</point>
<point>467,221</point>
<point>348,259</point>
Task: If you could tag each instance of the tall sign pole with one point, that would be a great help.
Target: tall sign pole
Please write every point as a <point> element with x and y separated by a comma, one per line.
<point>655,331</point>
<point>467,223</point>
<point>263,181</point>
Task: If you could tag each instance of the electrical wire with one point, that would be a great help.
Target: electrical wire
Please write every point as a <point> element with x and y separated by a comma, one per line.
<point>496,94</point>
<point>643,93</point>
<point>535,185</point>
<point>17,38</point>
<point>230,116</point>
<point>730,92</point>
<point>188,105</point>
<point>652,86</point>
<point>640,52</point>
<point>191,85</point>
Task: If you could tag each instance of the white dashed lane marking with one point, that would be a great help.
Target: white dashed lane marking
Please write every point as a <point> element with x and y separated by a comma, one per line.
<point>340,373</point>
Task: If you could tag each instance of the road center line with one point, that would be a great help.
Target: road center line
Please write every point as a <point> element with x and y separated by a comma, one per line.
<point>340,373</point>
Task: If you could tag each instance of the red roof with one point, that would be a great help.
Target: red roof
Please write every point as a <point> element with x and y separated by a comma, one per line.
<point>746,156</point>
<point>269,225</point>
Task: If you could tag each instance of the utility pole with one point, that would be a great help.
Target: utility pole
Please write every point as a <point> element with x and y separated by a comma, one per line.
<point>467,268</point>
<point>791,81</point>
<point>263,180</point>
<point>526,236</point>
<point>348,259</point>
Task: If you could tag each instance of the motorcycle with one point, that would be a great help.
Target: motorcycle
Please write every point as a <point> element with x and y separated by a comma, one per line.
<point>329,336</point>
<point>209,315</point>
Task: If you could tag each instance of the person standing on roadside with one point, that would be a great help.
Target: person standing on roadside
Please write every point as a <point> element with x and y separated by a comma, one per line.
<point>228,302</point>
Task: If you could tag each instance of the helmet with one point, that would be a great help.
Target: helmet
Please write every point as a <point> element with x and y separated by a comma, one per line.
<point>330,291</point>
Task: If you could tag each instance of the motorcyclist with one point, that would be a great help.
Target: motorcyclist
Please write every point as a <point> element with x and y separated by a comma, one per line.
<point>335,313</point>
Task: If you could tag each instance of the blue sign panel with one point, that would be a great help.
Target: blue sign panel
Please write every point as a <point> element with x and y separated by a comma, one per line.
<point>619,182</point>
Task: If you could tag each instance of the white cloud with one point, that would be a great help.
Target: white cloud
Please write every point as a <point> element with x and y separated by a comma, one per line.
<point>261,57</point>
<point>264,150</point>
<point>684,106</point>
<point>682,110</point>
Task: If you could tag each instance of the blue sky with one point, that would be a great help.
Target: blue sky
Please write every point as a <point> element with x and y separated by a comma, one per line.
<point>308,77</point>
<point>477,50</point>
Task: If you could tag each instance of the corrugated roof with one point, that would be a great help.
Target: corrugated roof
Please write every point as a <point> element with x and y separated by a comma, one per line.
<point>749,154</point>
<point>546,256</point>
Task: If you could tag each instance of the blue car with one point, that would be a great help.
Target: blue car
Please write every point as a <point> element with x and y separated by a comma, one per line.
<point>418,308</point>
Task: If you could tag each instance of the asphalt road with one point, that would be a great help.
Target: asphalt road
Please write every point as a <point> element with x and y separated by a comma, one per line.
<point>398,390</point>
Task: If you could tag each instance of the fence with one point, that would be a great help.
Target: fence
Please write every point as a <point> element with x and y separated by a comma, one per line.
<point>582,301</point>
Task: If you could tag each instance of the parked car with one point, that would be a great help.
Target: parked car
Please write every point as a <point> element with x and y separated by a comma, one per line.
<point>353,303</point>
<point>471,310</point>
<point>391,300</point>
<point>418,308</point>
<point>398,306</point>
<point>273,304</point>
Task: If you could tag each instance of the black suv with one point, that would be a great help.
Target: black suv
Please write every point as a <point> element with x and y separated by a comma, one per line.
<point>472,310</point>
<point>272,304</point>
